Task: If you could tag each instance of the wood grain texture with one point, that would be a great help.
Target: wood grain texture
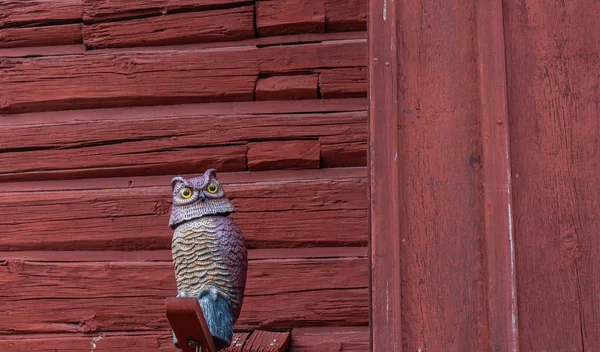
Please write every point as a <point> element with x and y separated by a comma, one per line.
<point>99,342</point>
<point>268,341</point>
<point>345,15</point>
<point>330,339</point>
<point>326,339</point>
<point>316,211</point>
<point>199,110</point>
<point>159,77</point>
<point>40,36</point>
<point>553,99</point>
<point>273,155</point>
<point>343,82</point>
<point>441,212</point>
<point>238,342</point>
<point>386,277</point>
<point>59,50</point>
<point>117,145</point>
<point>287,87</point>
<point>15,13</point>
<point>95,11</point>
<point>284,17</point>
<point>497,188</point>
<point>106,296</point>
<point>180,28</point>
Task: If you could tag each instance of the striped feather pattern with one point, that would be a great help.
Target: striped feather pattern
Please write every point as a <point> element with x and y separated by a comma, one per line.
<point>210,252</point>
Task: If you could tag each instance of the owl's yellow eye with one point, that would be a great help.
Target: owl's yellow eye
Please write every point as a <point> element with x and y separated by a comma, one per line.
<point>185,193</point>
<point>212,188</point>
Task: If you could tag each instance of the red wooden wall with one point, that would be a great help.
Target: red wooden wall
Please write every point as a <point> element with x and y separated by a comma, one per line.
<point>485,185</point>
<point>102,102</point>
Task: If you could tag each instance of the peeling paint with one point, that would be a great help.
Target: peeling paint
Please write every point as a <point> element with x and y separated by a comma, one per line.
<point>94,342</point>
<point>384,10</point>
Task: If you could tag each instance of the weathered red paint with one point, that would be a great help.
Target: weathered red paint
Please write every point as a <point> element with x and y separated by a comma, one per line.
<point>92,132</point>
<point>384,193</point>
<point>498,175</point>
<point>497,185</point>
<point>553,70</point>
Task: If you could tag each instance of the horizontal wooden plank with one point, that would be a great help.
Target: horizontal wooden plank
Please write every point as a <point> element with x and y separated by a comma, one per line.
<point>346,15</point>
<point>200,110</point>
<point>24,280</point>
<point>166,145</point>
<point>349,149</point>
<point>39,12</point>
<point>152,181</point>
<point>40,36</point>
<point>294,154</point>
<point>316,212</point>
<point>321,339</point>
<point>257,42</point>
<point>159,77</point>
<point>35,51</point>
<point>130,296</point>
<point>268,341</point>
<point>160,341</point>
<point>284,17</point>
<point>338,307</point>
<point>180,28</point>
<point>165,255</point>
<point>238,342</point>
<point>95,11</point>
<point>339,339</point>
<point>343,83</point>
<point>287,87</point>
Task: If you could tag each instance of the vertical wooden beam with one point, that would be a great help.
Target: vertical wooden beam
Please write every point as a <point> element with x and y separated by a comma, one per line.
<point>497,189</point>
<point>385,300</point>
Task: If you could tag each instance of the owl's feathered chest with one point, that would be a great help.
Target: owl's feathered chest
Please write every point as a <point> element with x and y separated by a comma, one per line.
<point>209,252</point>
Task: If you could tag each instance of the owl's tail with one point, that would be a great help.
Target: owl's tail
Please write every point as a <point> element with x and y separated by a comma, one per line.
<point>216,307</point>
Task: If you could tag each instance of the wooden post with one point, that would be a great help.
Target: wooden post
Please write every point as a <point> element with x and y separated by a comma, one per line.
<point>190,328</point>
<point>385,300</point>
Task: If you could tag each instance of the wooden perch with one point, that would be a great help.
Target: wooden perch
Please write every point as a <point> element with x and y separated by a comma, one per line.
<point>190,328</point>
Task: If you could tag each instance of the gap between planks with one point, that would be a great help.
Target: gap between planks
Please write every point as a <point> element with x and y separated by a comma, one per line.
<point>165,255</point>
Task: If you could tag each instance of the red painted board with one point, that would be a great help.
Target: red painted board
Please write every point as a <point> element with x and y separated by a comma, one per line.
<point>173,29</point>
<point>105,11</point>
<point>343,82</point>
<point>237,342</point>
<point>321,211</point>
<point>268,341</point>
<point>159,77</point>
<point>385,301</point>
<point>346,339</point>
<point>284,17</point>
<point>339,339</point>
<point>187,321</point>
<point>66,34</point>
<point>287,87</point>
<point>273,155</point>
<point>169,144</point>
<point>553,102</point>
<point>346,15</point>
<point>15,13</point>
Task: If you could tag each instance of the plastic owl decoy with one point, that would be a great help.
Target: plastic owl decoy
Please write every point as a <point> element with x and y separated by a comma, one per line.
<point>209,252</point>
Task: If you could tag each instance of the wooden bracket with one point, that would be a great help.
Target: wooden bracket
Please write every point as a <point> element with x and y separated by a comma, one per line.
<point>188,324</point>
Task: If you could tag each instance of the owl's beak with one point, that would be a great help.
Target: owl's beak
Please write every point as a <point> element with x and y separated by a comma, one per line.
<point>201,196</point>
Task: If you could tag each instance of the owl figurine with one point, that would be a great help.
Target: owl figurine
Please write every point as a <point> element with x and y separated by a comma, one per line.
<point>209,252</point>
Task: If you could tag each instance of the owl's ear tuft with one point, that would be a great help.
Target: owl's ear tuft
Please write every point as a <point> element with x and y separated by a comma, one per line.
<point>211,173</point>
<point>176,180</point>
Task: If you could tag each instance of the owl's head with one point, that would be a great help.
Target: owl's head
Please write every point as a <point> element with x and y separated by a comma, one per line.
<point>197,197</point>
